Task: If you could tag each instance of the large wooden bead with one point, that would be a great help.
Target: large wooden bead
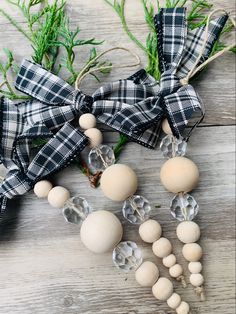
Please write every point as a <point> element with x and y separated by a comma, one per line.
<point>196,280</point>
<point>174,301</point>
<point>179,174</point>
<point>95,137</point>
<point>162,289</point>
<point>150,231</point>
<point>101,231</point>
<point>195,267</point>
<point>188,232</point>
<point>162,247</point>
<point>87,121</point>
<point>169,260</point>
<point>42,188</point>
<point>118,182</point>
<point>147,274</point>
<point>192,252</point>
<point>166,127</point>
<point>58,196</point>
<point>183,308</point>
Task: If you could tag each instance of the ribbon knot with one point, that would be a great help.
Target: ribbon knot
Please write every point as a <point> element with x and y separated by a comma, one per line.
<point>83,103</point>
<point>169,83</point>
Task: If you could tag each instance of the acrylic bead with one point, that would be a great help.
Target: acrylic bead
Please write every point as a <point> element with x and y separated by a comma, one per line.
<point>101,231</point>
<point>183,308</point>
<point>196,280</point>
<point>188,232</point>
<point>118,182</point>
<point>166,127</point>
<point>176,271</point>
<point>162,289</point>
<point>95,137</point>
<point>147,274</point>
<point>58,196</point>
<point>162,247</point>
<point>192,252</point>
<point>174,301</point>
<point>87,121</point>
<point>169,260</point>
<point>150,231</point>
<point>195,267</point>
<point>179,174</point>
<point>42,188</point>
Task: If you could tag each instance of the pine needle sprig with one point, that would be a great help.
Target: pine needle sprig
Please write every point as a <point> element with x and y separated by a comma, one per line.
<point>5,67</point>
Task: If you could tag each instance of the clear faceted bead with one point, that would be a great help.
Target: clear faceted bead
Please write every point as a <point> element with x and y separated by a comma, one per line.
<point>101,157</point>
<point>127,256</point>
<point>136,209</point>
<point>172,146</point>
<point>76,209</point>
<point>184,207</point>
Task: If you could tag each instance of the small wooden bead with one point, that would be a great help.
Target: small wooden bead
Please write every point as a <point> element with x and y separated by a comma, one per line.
<point>87,121</point>
<point>192,252</point>
<point>147,274</point>
<point>162,247</point>
<point>188,232</point>
<point>58,196</point>
<point>95,137</point>
<point>196,280</point>
<point>150,231</point>
<point>162,289</point>
<point>166,127</point>
<point>174,301</point>
<point>195,267</point>
<point>183,308</point>
<point>42,188</point>
<point>169,260</point>
<point>176,271</point>
<point>179,174</point>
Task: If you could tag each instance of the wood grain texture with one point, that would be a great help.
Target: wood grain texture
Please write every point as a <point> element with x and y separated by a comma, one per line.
<point>44,266</point>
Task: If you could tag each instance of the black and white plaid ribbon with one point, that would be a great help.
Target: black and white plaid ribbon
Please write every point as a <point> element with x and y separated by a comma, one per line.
<point>133,106</point>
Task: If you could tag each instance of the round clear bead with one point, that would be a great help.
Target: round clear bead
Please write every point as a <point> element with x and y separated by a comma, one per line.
<point>101,157</point>
<point>127,256</point>
<point>136,209</point>
<point>184,207</point>
<point>76,209</point>
<point>172,146</point>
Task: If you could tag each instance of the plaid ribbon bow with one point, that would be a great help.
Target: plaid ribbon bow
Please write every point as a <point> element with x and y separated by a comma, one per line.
<point>133,106</point>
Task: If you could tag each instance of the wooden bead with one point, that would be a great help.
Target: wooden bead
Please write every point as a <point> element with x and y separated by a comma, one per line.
<point>147,274</point>
<point>176,271</point>
<point>162,247</point>
<point>87,121</point>
<point>95,137</point>
<point>101,231</point>
<point>169,260</point>
<point>188,232</point>
<point>195,267</point>
<point>118,182</point>
<point>192,252</point>
<point>174,301</point>
<point>179,174</point>
<point>150,231</point>
<point>183,308</point>
<point>42,188</point>
<point>162,289</point>
<point>166,127</point>
<point>58,196</point>
<point>196,280</point>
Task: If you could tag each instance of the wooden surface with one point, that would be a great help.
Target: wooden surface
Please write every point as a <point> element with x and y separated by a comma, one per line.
<point>44,267</point>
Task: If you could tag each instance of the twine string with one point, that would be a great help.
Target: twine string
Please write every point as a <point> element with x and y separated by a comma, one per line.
<point>196,68</point>
<point>84,72</point>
